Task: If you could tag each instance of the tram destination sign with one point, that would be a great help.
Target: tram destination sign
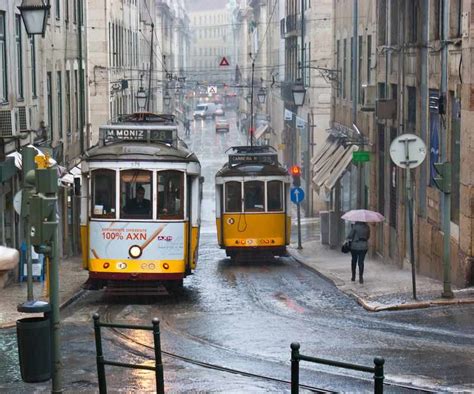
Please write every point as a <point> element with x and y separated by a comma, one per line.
<point>109,134</point>
<point>270,159</point>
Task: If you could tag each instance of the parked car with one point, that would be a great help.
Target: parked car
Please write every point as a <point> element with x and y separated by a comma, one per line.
<point>204,111</point>
<point>222,124</point>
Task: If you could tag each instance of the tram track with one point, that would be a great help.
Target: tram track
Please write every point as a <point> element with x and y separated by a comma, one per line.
<point>130,344</point>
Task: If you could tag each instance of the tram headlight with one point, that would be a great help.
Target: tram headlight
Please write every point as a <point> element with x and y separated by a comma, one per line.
<point>135,251</point>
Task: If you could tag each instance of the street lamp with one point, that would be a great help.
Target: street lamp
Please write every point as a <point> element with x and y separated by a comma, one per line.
<point>141,98</point>
<point>34,14</point>
<point>166,99</point>
<point>299,93</point>
<point>261,96</point>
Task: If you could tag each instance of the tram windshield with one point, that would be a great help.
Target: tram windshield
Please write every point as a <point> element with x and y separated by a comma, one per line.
<point>254,196</point>
<point>275,196</point>
<point>233,197</point>
<point>170,195</point>
<point>135,194</point>
<point>103,194</point>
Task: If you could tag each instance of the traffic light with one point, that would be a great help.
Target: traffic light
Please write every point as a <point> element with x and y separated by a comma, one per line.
<point>295,172</point>
<point>442,178</point>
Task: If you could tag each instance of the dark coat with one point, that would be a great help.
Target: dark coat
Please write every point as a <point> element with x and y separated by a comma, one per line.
<point>359,235</point>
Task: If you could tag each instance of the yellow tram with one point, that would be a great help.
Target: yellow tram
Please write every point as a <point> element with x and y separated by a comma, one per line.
<point>252,204</point>
<point>140,213</point>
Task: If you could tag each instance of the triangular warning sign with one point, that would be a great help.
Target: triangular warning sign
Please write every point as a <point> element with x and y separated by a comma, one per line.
<point>224,62</point>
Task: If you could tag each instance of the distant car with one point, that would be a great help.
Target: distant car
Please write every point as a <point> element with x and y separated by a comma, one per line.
<point>222,124</point>
<point>219,110</point>
<point>204,111</point>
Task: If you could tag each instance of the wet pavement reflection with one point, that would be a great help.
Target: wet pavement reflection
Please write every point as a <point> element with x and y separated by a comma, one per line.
<point>243,317</point>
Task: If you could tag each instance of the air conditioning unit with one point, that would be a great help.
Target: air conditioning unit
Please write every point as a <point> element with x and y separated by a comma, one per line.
<point>386,109</point>
<point>370,95</point>
<point>7,123</point>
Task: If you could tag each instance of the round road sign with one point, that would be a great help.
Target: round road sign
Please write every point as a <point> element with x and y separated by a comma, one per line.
<point>408,151</point>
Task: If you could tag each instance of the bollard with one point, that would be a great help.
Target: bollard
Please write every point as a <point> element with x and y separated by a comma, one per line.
<point>378,375</point>
<point>99,355</point>
<point>295,367</point>
<point>160,389</point>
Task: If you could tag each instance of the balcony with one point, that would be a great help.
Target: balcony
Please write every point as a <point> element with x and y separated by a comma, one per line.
<point>292,25</point>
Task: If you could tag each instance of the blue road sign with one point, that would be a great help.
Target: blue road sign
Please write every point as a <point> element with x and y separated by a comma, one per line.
<point>297,194</point>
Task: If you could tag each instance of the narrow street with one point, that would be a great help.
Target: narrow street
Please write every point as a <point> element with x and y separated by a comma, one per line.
<point>230,328</point>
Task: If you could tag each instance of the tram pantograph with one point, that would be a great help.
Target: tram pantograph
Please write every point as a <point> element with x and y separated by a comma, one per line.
<point>142,191</point>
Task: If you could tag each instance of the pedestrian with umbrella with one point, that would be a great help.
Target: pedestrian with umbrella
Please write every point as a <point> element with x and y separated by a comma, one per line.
<point>359,236</point>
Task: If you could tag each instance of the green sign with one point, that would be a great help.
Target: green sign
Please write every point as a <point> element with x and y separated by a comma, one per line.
<point>360,157</point>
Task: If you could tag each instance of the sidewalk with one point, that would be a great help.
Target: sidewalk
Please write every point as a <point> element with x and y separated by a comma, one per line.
<point>385,286</point>
<point>71,278</point>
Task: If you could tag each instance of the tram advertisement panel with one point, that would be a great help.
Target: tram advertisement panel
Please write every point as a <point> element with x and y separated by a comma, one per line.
<point>158,241</point>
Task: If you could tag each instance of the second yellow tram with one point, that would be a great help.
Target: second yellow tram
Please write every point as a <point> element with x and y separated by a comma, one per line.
<point>252,204</point>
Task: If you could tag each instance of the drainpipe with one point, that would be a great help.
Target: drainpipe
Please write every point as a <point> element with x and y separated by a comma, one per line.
<point>446,197</point>
<point>81,75</point>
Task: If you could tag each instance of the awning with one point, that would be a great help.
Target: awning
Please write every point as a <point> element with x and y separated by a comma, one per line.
<point>68,176</point>
<point>330,162</point>
<point>260,131</point>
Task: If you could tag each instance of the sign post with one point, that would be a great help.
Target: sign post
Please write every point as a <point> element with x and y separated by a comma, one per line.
<point>297,196</point>
<point>408,151</point>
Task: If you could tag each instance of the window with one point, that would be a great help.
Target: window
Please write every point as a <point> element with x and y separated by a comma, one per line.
<point>275,196</point>
<point>58,9</point>
<point>435,21</point>
<point>59,92</point>
<point>103,194</point>
<point>233,197</point>
<point>359,71</point>
<point>351,67</point>
<point>49,81</point>
<point>412,25</point>
<point>76,97</point>
<point>455,157</point>
<point>411,120</point>
<point>455,16</point>
<point>369,59</point>
<point>254,196</point>
<point>135,194</point>
<point>74,11</point>
<point>33,66</point>
<point>19,57</point>
<point>394,22</point>
<point>344,68</point>
<point>66,11</point>
<point>3,59</point>
<point>170,204</point>
<point>68,101</point>
<point>382,22</point>
<point>338,67</point>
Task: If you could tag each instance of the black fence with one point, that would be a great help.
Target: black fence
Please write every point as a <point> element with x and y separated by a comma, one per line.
<point>102,362</point>
<point>296,357</point>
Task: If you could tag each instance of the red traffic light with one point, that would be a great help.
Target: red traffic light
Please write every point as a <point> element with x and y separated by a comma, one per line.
<point>295,170</point>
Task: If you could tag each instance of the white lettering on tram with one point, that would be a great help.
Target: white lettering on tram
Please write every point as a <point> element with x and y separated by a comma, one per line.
<point>126,133</point>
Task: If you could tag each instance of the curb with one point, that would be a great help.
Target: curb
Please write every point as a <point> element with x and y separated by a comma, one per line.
<point>394,307</point>
<point>66,303</point>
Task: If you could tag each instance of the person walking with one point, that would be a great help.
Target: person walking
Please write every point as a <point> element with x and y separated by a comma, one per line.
<point>359,236</point>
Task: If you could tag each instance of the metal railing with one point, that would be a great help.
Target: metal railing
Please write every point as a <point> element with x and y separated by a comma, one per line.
<point>102,362</point>
<point>377,370</point>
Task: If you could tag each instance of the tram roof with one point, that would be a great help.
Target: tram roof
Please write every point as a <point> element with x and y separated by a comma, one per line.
<point>252,160</point>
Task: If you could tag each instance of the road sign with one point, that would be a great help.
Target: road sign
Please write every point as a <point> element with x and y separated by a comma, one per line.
<point>296,194</point>
<point>408,151</point>
<point>17,202</point>
<point>211,89</point>
<point>224,62</point>
<point>360,157</point>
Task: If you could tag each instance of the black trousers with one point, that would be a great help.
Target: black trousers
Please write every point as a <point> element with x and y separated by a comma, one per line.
<point>358,257</point>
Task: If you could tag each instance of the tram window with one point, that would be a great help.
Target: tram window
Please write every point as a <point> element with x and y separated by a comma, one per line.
<point>135,194</point>
<point>275,196</point>
<point>103,194</point>
<point>233,197</point>
<point>254,196</point>
<point>170,195</point>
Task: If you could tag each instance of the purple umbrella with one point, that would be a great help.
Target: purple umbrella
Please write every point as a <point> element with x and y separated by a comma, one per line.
<point>363,215</point>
